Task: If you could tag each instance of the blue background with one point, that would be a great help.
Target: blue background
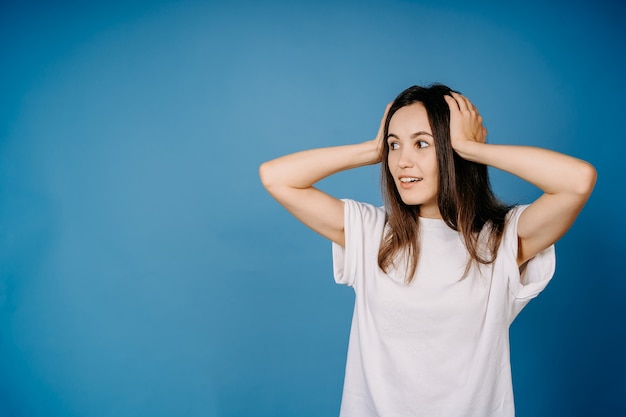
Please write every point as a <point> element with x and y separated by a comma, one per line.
<point>145,272</point>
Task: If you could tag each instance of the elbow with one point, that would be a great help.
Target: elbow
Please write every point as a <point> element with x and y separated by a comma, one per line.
<point>266,174</point>
<point>586,179</point>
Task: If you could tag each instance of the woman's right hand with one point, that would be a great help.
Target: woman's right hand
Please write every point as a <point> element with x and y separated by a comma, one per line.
<point>380,140</point>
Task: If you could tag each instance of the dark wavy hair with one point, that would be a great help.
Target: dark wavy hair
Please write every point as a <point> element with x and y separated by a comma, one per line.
<point>465,199</point>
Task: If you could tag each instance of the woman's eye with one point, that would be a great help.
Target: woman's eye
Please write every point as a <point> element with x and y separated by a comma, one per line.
<point>393,146</point>
<point>422,144</point>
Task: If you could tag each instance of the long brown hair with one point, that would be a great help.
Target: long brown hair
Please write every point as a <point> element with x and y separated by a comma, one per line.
<point>465,199</point>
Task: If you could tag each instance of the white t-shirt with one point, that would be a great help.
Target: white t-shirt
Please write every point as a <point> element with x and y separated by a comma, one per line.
<point>439,346</point>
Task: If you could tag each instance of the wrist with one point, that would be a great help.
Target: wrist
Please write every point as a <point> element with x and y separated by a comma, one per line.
<point>469,150</point>
<point>373,150</point>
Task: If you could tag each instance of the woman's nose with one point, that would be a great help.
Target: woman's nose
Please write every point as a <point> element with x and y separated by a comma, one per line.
<point>405,160</point>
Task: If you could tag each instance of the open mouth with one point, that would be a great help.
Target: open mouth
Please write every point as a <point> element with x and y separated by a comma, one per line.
<point>410,179</point>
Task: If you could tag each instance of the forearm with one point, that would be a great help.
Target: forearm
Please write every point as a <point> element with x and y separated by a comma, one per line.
<point>303,169</point>
<point>550,171</point>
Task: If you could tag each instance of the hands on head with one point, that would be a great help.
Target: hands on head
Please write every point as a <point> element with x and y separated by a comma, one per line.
<point>380,140</point>
<point>466,124</point>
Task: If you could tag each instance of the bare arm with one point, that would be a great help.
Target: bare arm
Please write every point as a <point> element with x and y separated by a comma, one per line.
<point>290,179</point>
<point>566,182</point>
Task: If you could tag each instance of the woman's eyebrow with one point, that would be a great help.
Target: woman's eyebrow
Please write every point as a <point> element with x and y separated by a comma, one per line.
<point>413,136</point>
<point>420,133</point>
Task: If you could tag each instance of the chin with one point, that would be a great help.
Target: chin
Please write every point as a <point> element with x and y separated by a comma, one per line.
<point>411,200</point>
<point>417,201</point>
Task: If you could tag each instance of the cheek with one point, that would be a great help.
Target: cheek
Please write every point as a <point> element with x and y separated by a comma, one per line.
<point>434,167</point>
<point>433,171</point>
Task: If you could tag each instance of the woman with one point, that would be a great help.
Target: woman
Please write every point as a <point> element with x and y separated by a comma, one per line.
<point>442,270</point>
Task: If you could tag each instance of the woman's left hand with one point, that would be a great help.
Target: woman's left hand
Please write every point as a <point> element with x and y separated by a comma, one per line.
<point>466,124</point>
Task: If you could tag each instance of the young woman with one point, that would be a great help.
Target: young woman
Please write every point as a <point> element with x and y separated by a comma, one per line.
<point>442,270</point>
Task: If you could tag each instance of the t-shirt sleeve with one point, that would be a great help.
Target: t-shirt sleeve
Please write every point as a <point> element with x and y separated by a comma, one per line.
<point>528,281</point>
<point>361,223</point>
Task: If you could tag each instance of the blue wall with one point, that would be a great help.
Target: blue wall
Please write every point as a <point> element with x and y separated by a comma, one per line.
<point>145,272</point>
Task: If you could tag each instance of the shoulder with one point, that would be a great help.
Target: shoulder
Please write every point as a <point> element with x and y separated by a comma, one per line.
<point>511,240</point>
<point>363,210</point>
<point>509,233</point>
<point>359,215</point>
<point>529,279</point>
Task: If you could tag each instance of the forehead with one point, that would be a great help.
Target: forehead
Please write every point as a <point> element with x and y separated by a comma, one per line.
<point>410,119</point>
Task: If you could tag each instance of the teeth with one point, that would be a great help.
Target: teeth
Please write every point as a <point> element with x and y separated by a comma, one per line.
<point>410,179</point>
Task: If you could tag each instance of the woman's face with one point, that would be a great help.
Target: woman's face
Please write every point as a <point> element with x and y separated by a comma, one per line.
<point>412,159</point>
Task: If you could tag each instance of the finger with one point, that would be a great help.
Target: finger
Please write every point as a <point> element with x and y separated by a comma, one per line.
<point>381,127</point>
<point>471,107</point>
<point>464,104</point>
<point>452,103</point>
